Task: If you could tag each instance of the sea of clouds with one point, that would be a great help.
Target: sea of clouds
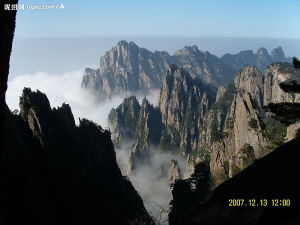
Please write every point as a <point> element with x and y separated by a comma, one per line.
<point>66,88</point>
<point>150,182</point>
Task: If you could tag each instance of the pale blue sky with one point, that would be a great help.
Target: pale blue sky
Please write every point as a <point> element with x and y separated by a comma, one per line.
<point>76,37</point>
<point>206,18</point>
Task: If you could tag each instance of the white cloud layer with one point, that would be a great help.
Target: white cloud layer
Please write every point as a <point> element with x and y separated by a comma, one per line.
<point>151,179</point>
<point>153,186</point>
<point>65,87</point>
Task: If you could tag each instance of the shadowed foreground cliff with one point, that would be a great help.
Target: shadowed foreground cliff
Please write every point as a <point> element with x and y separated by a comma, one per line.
<point>52,171</point>
<point>275,176</point>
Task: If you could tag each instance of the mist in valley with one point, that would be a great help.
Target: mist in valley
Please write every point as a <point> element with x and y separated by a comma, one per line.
<point>149,179</point>
<point>66,88</point>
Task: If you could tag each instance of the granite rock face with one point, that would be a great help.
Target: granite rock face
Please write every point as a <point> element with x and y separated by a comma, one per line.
<point>261,59</point>
<point>141,124</point>
<point>209,68</point>
<point>127,69</point>
<point>249,79</point>
<point>220,93</point>
<point>293,131</point>
<point>238,125</point>
<point>237,132</point>
<point>275,74</point>
<point>183,102</point>
<point>174,172</point>
<point>148,133</point>
<point>230,132</point>
<point>123,120</point>
<point>171,127</point>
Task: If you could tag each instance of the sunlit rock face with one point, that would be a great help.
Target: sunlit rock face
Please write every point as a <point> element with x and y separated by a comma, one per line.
<point>293,131</point>
<point>249,80</point>
<point>174,172</point>
<point>240,125</point>
<point>220,93</point>
<point>238,119</point>
<point>193,122</point>
<point>275,74</point>
<point>209,68</point>
<point>173,126</point>
<point>183,103</point>
<point>127,69</point>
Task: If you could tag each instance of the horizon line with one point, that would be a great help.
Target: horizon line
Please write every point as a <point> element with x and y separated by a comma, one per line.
<point>151,36</point>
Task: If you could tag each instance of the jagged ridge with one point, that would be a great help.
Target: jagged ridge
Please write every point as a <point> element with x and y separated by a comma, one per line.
<point>127,68</point>
<point>54,172</point>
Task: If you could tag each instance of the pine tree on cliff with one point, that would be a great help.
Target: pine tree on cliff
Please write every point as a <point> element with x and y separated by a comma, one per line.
<point>287,112</point>
<point>296,63</point>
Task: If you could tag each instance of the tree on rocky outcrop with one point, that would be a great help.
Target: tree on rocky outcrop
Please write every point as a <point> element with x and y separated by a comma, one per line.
<point>296,63</point>
<point>219,136</point>
<point>186,191</point>
<point>253,123</point>
<point>287,112</point>
<point>182,201</point>
<point>200,179</point>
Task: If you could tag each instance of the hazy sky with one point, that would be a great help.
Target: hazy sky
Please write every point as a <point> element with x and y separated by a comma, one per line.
<point>57,41</point>
<point>218,18</point>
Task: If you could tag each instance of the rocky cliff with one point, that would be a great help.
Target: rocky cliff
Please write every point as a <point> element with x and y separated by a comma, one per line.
<point>148,133</point>
<point>141,124</point>
<point>126,68</point>
<point>209,68</point>
<point>174,172</point>
<point>234,127</point>
<point>252,179</point>
<point>275,74</point>
<point>231,131</point>
<point>261,59</point>
<point>183,102</point>
<point>174,126</point>
<point>123,120</point>
<point>53,171</point>
<point>270,177</point>
<point>60,172</point>
<point>237,129</point>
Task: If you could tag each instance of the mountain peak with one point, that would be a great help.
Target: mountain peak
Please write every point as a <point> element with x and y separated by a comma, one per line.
<point>31,99</point>
<point>262,51</point>
<point>251,70</point>
<point>249,74</point>
<point>188,51</point>
<point>145,102</point>
<point>126,44</point>
<point>249,79</point>
<point>174,71</point>
<point>278,54</point>
<point>122,42</point>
